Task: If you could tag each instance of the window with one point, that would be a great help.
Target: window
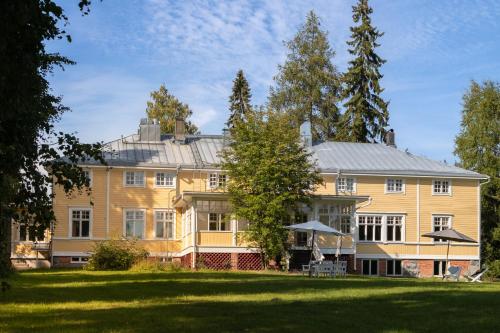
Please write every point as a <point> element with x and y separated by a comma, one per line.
<point>439,267</point>
<point>79,260</point>
<point>26,233</point>
<point>134,223</point>
<point>134,178</point>
<point>301,238</point>
<point>346,185</point>
<point>370,228</point>
<point>88,175</point>
<point>164,224</point>
<point>337,216</point>
<point>345,224</point>
<point>80,223</point>
<point>394,186</point>
<point>217,222</point>
<point>370,267</point>
<point>216,180</point>
<point>394,268</point>
<point>394,228</point>
<point>441,187</point>
<point>440,223</point>
<point>163,179</point>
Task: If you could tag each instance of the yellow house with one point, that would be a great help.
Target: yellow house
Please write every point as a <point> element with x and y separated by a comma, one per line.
<point>167,191</point>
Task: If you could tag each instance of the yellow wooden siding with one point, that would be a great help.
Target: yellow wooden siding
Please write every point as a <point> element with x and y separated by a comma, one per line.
<point>390,249</point>
<point>454,250</point>
<point>154,247</point>
<point>215,238</point>
<point>330,241</point>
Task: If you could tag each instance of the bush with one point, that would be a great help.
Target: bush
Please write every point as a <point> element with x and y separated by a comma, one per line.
<point>494,269</point>
<point>155,265</point>
<point>115,255</point>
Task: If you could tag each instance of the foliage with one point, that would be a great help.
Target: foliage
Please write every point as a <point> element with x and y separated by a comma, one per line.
<point>166,108</point>
<point>366,113</point>
<point>115,254</point>
<point>155,265</point>
<point>239,101</point>
<point>493,269</point>
<point>270,173</point>
<point>30,149</point>
<point>308,84</point>
<point>478,147</point>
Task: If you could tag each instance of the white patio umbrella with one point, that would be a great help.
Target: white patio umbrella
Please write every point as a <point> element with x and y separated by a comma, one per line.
<point>449,235</point>
<point>314,226</point>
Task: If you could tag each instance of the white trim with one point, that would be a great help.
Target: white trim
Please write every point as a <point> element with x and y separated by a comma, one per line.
<point>394,268</point>
<point>70,221</point>
<point>450,224</point>
<point>354,184</point>
<point>418,215</point>
<point>91,175</point>
<point>70,254</point>
<point>170,210</point>
<point>124,213</point>
<point>415,256</point>
<point>403,186</point>
<point>479,219</point>
<point>174,180</point>
<point>440,194</point>
<point>108,177</point>
<point>225,249</point>
<point>144,178</point>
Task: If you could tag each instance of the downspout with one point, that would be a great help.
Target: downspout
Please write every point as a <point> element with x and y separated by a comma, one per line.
<point>479,216</point>
<point>108,176</point>
<point>418,217</point>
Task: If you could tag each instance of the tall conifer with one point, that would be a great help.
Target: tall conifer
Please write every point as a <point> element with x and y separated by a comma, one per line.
<point>366,113</point>
<point>308,84</point>
<point>239,101</point>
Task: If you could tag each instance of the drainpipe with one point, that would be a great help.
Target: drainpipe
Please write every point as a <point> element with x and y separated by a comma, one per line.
<point>479,216</point>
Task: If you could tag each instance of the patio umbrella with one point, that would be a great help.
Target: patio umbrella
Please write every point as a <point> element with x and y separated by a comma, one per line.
<point>314,226</point>
<point>449,235</point>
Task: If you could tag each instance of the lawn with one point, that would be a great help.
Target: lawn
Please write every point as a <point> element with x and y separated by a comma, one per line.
<point>80,301</point>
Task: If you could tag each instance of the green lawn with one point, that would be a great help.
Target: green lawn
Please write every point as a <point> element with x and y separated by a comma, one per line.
<point>80,301</point>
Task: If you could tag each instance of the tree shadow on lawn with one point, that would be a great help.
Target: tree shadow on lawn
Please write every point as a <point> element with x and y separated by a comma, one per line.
<point>109,286</point>
<point>423,311</point>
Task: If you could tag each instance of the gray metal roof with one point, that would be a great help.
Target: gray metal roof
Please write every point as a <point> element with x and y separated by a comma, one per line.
<point>201,151</point>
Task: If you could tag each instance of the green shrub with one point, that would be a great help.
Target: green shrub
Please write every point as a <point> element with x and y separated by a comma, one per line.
<point>494,269</point>
<point>155,265</point>
<point>115,255</point>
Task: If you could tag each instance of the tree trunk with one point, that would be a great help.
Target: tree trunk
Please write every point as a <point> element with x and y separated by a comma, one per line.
<point>5,244</point>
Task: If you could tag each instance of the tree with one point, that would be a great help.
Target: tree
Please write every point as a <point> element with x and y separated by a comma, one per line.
<point>31,150</point>
<point>167,108</point>
<point>270,174</point>
<point>239,101</point>
<point>308,84</point>
<point>478,147</point>
<point>366,113</point>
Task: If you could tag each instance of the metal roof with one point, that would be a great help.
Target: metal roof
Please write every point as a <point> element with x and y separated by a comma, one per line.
<point>202,151</point>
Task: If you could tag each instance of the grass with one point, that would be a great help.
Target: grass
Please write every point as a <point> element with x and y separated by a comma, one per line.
<point>81,301</point>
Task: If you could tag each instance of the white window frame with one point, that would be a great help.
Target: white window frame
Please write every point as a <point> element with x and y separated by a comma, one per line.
<point>386,224</point>
<point>370,269</point>
<point>70,222</point>
<point>220,218</point>
<point>125,210</point>
<point>135,179</point>
<point>403,186</point>
<point>450,223</point>
<point>166,175</point>
<point>214,180</point>
<point>79,259</point>
<point>434,181</point>
<point>90,176</point>
<point>394,267</point>
<point>382,228</point>
<point>344,188</point>
<point>165,222</point>
<point>442,267</point>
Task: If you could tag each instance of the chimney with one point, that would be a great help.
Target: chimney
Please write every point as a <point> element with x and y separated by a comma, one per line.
<point>180,130</point>
<point>390,138</point>
<point>149,130</point>
<point>305,133</point>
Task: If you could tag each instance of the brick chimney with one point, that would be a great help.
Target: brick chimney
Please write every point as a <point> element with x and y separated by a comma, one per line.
<point>180,130</point>
<point>390,138</point>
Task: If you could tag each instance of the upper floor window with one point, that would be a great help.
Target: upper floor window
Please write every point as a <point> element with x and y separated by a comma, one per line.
<point>134,223</point>
<point>346,184</point>
<point>441,187</point>
<point>134,178</point>
<point>163,179</point>
<point>440,222</point>
<point>394,185</point>
<point>80,221</point>
<point>394,228</point>
<point>370,228</point>
<point>164,224</point>
<point>217,222</point>
<point>88,175</point>
<point>217,180</point>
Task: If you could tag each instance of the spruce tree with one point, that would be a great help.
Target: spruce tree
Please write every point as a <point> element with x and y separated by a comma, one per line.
<point>366,113</point>
<point>308,84</point>
<point>239,101</point>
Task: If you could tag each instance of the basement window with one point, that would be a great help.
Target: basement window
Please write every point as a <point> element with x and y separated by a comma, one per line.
<point>79,260</point>
<point>370,267</point>
<point>394,268</point>
<point>439,267</point>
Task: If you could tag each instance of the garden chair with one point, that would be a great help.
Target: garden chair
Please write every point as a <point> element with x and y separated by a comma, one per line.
<point>453,273</point>
<point>476,277</point>
<point>306,269</point>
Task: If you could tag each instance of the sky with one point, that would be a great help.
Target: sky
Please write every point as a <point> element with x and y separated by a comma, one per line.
<point>126,49</point>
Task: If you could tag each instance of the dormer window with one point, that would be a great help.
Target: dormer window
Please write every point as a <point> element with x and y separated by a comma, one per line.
<point>346,184</point>
<point>441,187</point>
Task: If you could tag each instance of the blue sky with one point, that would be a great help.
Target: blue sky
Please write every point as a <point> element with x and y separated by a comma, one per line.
<point>126,49</point>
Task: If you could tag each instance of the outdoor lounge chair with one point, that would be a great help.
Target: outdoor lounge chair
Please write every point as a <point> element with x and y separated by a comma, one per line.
<point>476,277</point>
<point>306,269</point>
<point>453,272</point>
